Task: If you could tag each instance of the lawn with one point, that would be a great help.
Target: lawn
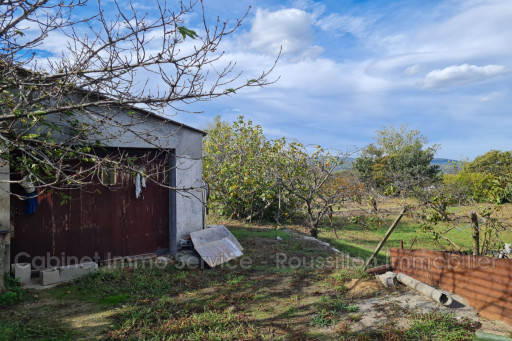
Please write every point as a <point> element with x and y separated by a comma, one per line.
<point>285,290</point>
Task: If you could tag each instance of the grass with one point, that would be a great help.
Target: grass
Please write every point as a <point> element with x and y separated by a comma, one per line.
<point>266,301</point>
<point>359,237</point>
<point>30,330</point>
<point>438,327</point>
<point>13,291</point>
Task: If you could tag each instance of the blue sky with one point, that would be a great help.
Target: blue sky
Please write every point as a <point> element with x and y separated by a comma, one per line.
<point>349,68</point>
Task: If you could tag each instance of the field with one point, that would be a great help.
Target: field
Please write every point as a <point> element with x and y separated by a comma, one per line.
<point>284,294</point>
<point>358,234</point>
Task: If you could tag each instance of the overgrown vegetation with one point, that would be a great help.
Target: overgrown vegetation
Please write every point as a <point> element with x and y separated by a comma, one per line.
<point>13,291</point>
<point>255,179</point>
<point>486,178</point>
<point>398,162</point>
<point>267,301</point>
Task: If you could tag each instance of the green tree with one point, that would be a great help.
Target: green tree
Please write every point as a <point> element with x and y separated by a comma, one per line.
<point>493,162</point>
<point>486,178</point>
<point>238,165</point>
<point>398,160</point>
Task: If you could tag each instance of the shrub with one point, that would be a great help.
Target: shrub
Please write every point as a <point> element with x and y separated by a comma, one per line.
<point>14,292</point>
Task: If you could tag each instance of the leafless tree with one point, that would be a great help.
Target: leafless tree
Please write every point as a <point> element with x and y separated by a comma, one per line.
<point>314,178</point>
<point>56,112</point>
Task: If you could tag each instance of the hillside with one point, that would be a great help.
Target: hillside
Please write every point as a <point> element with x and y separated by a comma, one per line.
<point>445,165</point>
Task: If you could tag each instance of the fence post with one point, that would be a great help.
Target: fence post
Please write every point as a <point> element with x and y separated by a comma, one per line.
<point>476,234</point>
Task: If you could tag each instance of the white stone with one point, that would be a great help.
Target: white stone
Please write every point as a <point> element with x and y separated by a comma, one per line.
<point>71,272</point>
<point>22,272</point>
<point>388,279</point>
<point>49,277</point>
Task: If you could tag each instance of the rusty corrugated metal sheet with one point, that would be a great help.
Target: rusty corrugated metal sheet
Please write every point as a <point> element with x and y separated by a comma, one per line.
<point>98,220</point>
<point>486,283</point>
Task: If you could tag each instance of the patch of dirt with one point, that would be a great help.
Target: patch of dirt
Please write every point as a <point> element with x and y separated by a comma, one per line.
<point>394,307</point>
<point>359,288</point>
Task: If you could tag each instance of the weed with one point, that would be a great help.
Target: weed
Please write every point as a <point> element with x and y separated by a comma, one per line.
<point>355,317</point>
<point>322,319</point>
<point>180,275</point>
<point>288,312</point>
<point>351,308</point>
<point>345,275</point>
<point>434,326</point>
<point>337,305</point>
<point>294,297</point>
<point>341,289</point>
<point>232,279</point>
<point>14,293</point>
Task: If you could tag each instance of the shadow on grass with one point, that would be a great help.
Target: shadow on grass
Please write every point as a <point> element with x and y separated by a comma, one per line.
<point>351,250</point>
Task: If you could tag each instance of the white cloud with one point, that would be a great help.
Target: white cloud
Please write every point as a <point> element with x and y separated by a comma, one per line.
<point>315,8</point>
<point>461,75</point>
<point>290,28</point>
<point>345,23</point>
<point>412,70</point>
<point>491,97</point>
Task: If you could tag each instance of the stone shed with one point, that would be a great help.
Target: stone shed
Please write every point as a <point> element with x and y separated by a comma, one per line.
<point>116,219</point>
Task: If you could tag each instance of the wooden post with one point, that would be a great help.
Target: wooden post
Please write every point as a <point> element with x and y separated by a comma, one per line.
<point>476,234</point>
<point>413,241</point>
<point>401,245</point>
<point>386,236</point>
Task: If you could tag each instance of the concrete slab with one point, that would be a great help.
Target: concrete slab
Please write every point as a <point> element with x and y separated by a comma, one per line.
<point>72,272</point>
<point>216,245</point>
<point>213,232</point>
<point>22,272</point>
<point>49,277</point>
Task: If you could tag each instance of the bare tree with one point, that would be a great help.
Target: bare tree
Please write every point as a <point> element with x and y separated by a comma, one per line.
<point>315,179</point>
<point>56,112</point>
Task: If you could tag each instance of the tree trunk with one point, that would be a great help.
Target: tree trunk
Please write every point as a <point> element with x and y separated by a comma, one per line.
<point>313,231</point>
<point>476,234</point>
<point>374,205</point>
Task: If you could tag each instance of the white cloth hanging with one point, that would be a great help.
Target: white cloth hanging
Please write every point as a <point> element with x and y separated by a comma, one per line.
<point>138,189</point>
<point>140,183</point>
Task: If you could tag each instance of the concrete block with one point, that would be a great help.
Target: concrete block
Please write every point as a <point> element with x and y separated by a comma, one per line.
<point>49,277</point>
<point>187,260</point>
<point>388,279</point>
<point>22,272</point>
<point>72,272</point>
<point>163,261</point>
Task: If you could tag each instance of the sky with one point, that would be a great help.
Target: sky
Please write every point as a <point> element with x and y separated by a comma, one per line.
<point>349,68</point>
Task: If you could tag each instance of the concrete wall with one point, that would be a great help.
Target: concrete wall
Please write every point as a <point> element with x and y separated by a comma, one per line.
<point>189,207</point>
<point>5,208</point>
<point>5,214</point>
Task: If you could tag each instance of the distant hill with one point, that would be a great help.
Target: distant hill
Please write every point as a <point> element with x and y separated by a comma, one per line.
<point>445,165</point>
